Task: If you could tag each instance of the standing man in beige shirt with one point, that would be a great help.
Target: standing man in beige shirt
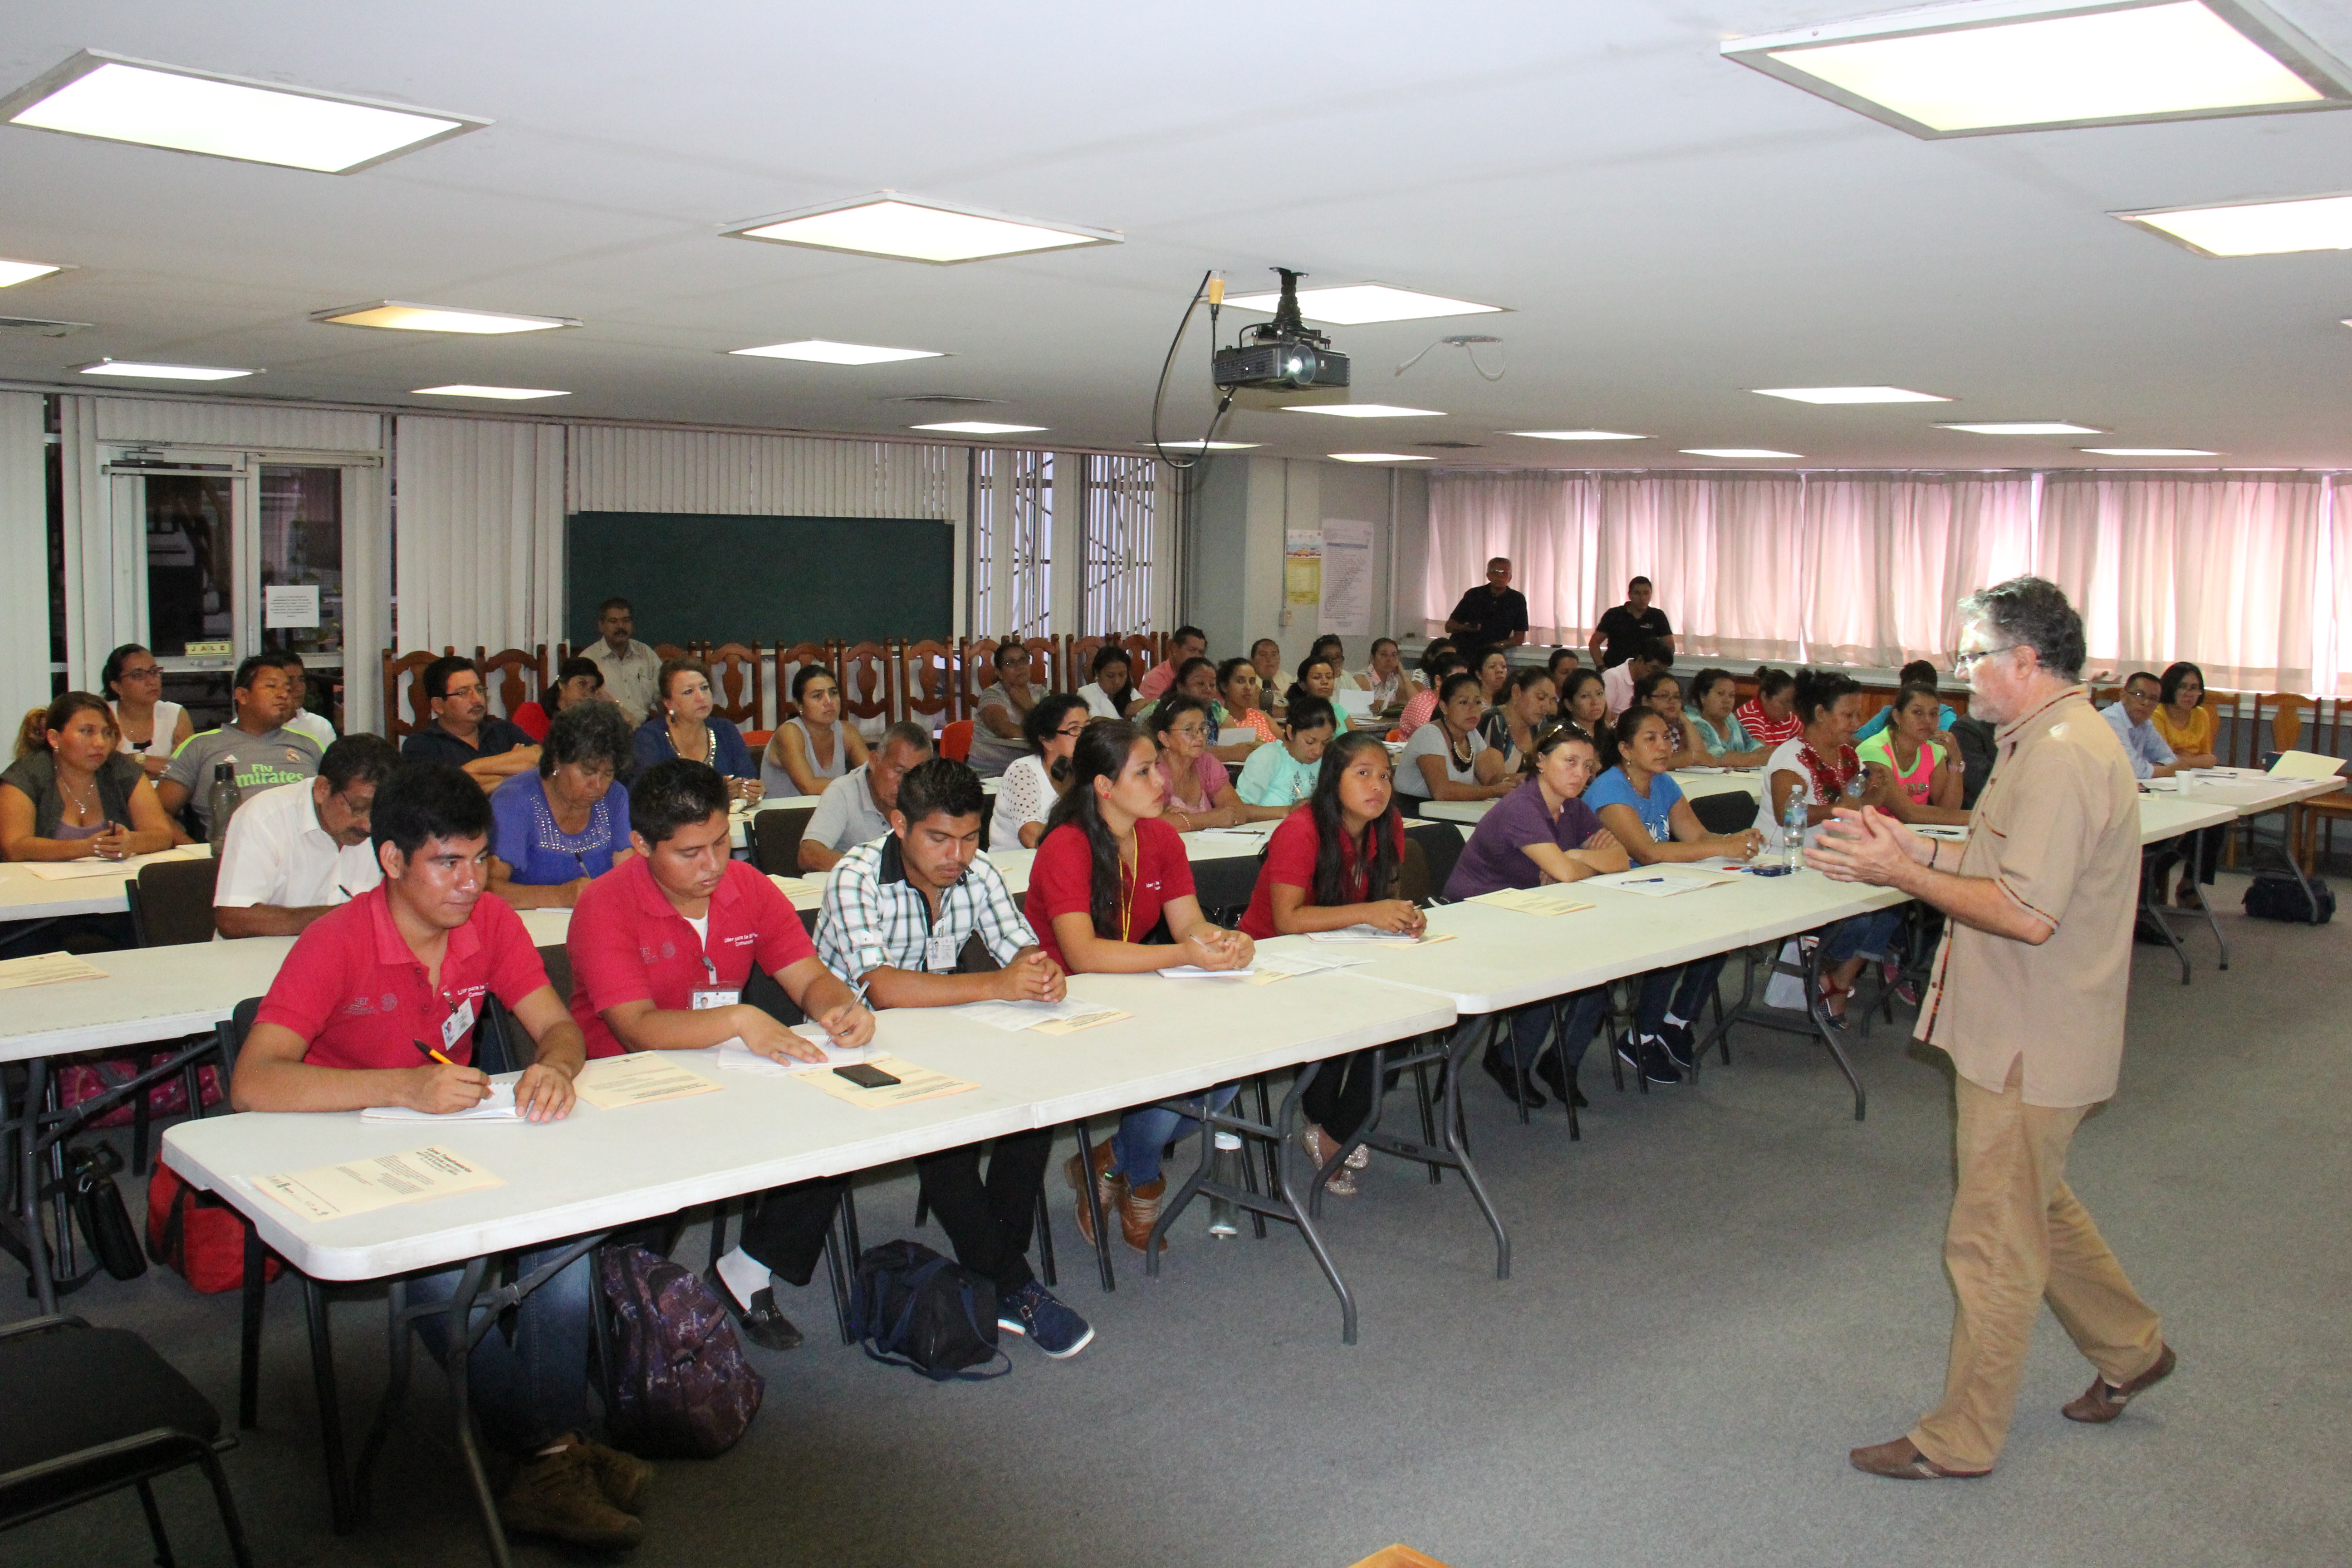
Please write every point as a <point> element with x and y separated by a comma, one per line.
<point>631,670</point>
<point>2028,999</point>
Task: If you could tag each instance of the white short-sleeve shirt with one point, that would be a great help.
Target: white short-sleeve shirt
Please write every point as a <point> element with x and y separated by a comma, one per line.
<point>277,854</point>
<point>1027,795</point>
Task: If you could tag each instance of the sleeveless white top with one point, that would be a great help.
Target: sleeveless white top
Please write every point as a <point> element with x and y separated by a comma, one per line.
<point>167,722</point>
<point>776,781</point>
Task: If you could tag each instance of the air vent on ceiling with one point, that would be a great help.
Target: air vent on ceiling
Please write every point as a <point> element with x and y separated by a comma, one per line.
<point>1451,445</point>
<point>34,327</point>
<point>945,400</point>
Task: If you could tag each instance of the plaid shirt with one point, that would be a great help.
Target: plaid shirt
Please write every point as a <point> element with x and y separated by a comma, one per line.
<point>873,918</point>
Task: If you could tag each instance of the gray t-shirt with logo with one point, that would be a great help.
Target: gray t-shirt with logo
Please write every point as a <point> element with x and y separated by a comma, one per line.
<point>263,762</point>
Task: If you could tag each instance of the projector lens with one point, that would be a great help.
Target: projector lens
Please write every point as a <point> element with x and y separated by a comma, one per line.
<point>1300,366</point>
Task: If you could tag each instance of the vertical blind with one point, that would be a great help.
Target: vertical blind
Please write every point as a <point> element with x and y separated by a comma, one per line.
<point>2234,572</point>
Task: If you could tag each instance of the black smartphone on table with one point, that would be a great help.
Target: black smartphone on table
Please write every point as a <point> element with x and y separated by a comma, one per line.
<point>866,1075</point>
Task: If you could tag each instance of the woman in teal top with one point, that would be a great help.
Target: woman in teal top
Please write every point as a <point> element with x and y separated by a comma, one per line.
<point>1284,775</point>
<point>1710,726</point>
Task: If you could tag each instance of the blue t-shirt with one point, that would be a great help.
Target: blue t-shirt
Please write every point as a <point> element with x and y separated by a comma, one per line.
<point>730,757</point>
<point>523,833</point>
<point>1655,810</point>
<point>1495,858</point>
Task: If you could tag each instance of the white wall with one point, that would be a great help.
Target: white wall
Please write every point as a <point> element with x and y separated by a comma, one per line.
<point>25,545</point>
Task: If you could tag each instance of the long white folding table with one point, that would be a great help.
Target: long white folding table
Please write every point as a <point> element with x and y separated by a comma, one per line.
<point>1693,781</point>
<point>601,1169</point>
<point>92,889</point>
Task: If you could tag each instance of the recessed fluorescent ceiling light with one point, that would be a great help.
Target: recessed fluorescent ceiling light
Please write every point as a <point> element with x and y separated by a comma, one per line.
<point>1737,452</point>
<point>2026,427</point>
<point>23,271</point>
<point>818,351</point>
<point>1578,435</point>
<point>1362,303</point>
<point>1214,445</point>
<point>1376,457</point>
<point>889,224</point>
<point>1366,411</point>
<point>1848,394</point>
<point>2254,228</point>
<point>978,428</point>
<point>2024,65</point>
<point>2149,452</point>
<point>147,370</point>
<point>508,394</point>
<point>120,100</point>
<point>400,316</point>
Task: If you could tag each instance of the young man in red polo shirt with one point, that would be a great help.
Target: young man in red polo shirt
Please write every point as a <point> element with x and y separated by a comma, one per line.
<point>370,991</point>
<point>661,948</point>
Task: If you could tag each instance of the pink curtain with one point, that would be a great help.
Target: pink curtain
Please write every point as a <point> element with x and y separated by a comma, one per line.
<point>1543,521</point>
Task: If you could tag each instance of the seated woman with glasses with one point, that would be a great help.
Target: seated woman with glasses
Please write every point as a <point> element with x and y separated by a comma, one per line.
<point>2187,726</point>
<point>150,728</point>
<point>1660,691</point>
<point>813,747</point>
<point>1543,833</point>
<point>555,830</point>
<point>1714,736</point>
<point>1034,782</point>
<point>1337,864</point>
<point>1645,811</point>
<point>1110,878</point>
<point>1197,791</point>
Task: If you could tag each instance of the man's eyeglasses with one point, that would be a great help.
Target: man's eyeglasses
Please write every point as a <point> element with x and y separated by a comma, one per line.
<point>1964,662</point>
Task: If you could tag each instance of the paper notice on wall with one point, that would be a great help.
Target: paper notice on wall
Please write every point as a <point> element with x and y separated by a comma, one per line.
<point>1302,567</point>
<point>290,606</point>
<point>1347,578</point>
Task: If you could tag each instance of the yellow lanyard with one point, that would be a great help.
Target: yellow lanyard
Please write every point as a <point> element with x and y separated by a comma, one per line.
<point>1127,891</point>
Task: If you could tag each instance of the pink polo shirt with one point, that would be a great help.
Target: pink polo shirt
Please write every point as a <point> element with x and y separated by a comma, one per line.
<point>628,944</point>
<point>360,998</point>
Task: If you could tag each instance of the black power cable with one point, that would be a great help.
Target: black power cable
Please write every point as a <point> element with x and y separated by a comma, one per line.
<point>1159,396</point>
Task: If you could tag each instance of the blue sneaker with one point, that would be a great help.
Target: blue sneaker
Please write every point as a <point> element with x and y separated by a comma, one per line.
<point>1050,1326</point>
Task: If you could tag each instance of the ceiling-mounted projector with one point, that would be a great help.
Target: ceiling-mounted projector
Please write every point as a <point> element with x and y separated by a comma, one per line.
<point>1282,356</point>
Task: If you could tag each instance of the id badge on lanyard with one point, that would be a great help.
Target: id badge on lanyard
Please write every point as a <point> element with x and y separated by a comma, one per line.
<point>713,995</point>
<point>940,954</point>
<point>459,1024</point>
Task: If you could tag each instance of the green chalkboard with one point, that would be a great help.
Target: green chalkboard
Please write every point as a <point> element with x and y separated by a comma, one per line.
<point>769,579</point>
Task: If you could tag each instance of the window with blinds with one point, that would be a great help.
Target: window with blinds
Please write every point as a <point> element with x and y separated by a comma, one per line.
<point>1115,589</point>
<point>1013,544</point>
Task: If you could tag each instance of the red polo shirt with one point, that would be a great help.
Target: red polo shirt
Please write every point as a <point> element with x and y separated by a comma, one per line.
<point>628,944</point>
<point>356,994</point>
<point>1061,879</point>
<point>1290,859</point>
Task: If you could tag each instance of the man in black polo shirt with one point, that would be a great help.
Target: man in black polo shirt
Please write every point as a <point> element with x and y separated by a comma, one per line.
<point>1493,616</point>
<point>1623,631</point>
<point>463,732</point>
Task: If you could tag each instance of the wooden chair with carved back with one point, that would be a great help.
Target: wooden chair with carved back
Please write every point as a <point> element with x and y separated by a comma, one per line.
<point>404,678</point>
<point>2329,731</point>
<point>511,677</point>
<point>869,687</point>
<point>738,683</point>
<point>1046,670</point>
<point>977,674</point>
<point>927,683</point>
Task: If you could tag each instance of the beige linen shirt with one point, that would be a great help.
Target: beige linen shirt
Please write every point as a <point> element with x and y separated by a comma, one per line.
<point>2057,830</point>
<point>629,676</point>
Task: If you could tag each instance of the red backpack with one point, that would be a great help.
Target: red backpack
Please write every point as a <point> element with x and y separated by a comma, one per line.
<point>197,1236</point>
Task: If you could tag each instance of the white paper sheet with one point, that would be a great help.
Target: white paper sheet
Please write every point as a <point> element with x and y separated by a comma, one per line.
<point>1018,1015</point>
<point>499,1107</point>
<point>734,1056</point>
<point>2305,765</point>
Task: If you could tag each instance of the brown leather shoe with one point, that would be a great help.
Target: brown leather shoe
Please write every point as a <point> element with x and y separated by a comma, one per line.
<point>1107,1187</point>
<point>1901,1460</point>
<point>2103,1400</point>
<point>1139,1210</point>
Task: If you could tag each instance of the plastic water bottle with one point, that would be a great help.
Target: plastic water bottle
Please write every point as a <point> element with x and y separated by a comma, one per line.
<point>1225,1170</point>
<point>1792,828</point>
<point>222,798</point>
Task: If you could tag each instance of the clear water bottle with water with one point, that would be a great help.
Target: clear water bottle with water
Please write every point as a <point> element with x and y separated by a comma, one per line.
<point>222,798</point>
<point>1225,1170</point>
<point>1792,828</point>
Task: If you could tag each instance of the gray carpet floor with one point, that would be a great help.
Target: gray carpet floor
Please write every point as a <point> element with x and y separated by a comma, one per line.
<point>1714,1295</point>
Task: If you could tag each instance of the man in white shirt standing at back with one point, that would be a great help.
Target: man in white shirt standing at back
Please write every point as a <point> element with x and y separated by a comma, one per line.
<point>298,850</point>
<point>632,670</point>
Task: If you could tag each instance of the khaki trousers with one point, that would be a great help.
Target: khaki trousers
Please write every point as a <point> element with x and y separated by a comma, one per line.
<point>2017,1236</point>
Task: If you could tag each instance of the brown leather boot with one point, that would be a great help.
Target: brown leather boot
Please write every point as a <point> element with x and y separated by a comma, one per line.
<point>1139,1210</point>
<point>1110,1189</point>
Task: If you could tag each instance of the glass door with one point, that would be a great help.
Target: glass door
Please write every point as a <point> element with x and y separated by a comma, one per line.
<point>299,554</point>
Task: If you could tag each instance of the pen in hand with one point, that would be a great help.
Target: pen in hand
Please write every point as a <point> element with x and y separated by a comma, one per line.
<point>431,1054</point>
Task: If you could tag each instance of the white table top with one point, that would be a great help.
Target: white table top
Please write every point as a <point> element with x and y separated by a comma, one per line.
<point>24,896</point>
<point>162,993</point>
<point>599,1168</point>
<point>1506,958</point>
<point>1750,780</point>
<point>2249,792</point>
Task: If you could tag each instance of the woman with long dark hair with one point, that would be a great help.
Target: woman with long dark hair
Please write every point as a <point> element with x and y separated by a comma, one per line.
<point>2187,727</point>
<point>74,797</point>
<point>1530,706</point>
<point>1713,728</point>
<point>1333,864</point>
<point>1110,876</point>
<point>1448,759</point>
<point>1584,710</point>
<point>1034,782</point>
<point>1770,717</point>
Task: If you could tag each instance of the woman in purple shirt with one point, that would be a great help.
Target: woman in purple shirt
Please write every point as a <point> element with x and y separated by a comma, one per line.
<point>1539,833</point>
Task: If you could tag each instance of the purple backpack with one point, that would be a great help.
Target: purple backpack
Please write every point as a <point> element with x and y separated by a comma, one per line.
<point>680,1386</point>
